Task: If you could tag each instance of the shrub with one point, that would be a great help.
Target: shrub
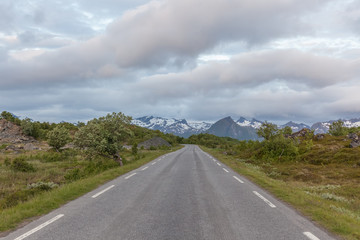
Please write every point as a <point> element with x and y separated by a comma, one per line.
<point>19,164</point>
<point>72,175</point>
<point>337,128</point>
<point>58,137</point>
<point>134,149</point>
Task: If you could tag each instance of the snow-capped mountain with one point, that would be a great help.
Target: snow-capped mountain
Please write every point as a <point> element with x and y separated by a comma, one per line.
<point>171,125</point>
<point>295,126</point>
<point>242,129</point>
<point>323,127</point>
<point>243,122</point>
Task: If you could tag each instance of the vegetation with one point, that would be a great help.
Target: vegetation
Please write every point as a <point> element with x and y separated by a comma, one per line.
<point>104,136</point>
<point>58,137</point>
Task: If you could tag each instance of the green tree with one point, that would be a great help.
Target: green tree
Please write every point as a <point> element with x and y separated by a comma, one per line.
<point>104,136</point>
<point>58,137</point>
<point>10,117</point>
<point>337,128</point>
<point>267,131</point>
<point>30,128</point>
<point>286,130</point>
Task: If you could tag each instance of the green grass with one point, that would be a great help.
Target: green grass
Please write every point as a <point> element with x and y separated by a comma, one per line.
<point>328,195</point>
<point>47,201</point>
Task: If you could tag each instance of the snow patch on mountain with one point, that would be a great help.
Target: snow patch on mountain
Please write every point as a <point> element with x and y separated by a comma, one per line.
<point>243,122</point>
<point>171,125</point>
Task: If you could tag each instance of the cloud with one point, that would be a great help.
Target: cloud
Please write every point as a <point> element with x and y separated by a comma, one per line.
<point>155,34</point>
<point>293,68</point>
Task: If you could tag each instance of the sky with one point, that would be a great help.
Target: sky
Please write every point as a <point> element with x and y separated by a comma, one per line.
<point>275,60</point>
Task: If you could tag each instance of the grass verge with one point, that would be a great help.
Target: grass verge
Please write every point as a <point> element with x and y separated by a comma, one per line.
<point>45,202</point>
<point>339,215</point>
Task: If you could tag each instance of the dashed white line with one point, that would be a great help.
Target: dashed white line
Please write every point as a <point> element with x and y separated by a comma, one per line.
<point>144,168</point>
<point>225,170</point>
<point>218,164</point>
<point>264,199</point>
<point>101,192</point>
<point>310,236</point>
<point>214,160</point>
<point>238,179</point>
<point>39,227</point>
<point>153,163</point>
<point>130,176</point>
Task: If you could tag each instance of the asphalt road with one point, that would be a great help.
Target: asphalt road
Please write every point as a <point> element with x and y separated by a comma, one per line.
<point>182,195</point>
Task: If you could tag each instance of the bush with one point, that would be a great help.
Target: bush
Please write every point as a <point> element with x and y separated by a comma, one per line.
<point>134,149</point>
<point>58,137</point>
<point>19,164</point>
<point>72,175</point>
<point>280,148</point>
<point>338,129</point>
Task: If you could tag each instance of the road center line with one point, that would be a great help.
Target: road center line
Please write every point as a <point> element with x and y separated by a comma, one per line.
<point>264,199</point>
<point>225,170</point>
<point>144,168</point>
<point>310,236</point>
<point>153,163</point>
<point>39,227</point>
<point>238,179</point>
<point>101,192</point>
<point>130,176</point>
<point>218,164</point>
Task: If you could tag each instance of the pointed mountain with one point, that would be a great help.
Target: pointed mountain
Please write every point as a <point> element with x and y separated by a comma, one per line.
<point>243,122</point>
<point>323,127</point>
<point>295,126</point>
<point>226,127</point>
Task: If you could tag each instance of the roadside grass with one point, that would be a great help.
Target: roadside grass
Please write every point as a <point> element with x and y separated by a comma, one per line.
<point>328,194</point>
<point>25,205</point>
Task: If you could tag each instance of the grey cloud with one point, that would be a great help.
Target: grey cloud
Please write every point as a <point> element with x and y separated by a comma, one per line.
<point>157,34</point>
<point>294,69</point>
<point>152,33</point>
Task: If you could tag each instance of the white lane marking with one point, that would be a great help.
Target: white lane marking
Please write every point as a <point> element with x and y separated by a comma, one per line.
<point>144,168</point>
<point>101,192</point>
<point>310,236</point>
<point>264,199</point>
<point>130,176</point>
<point>214,160</point>
<point>225,170</point>
<point>39,227</point>
<point>153,163</point>
<point>238,179</point>
<point>218,164</point>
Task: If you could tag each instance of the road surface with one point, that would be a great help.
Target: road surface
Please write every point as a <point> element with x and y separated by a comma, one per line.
<point>186,194</point>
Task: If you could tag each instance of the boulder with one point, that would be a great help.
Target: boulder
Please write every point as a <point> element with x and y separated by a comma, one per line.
<point>319,136</point>
<point>353,136</point>
<point>354,144</point>
<point>154,142</point>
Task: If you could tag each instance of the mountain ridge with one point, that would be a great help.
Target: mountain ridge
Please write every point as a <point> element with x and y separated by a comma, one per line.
<point>242,129</point>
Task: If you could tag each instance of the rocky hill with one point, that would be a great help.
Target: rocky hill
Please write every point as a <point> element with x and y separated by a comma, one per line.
<point>227,127</point>
<point>11,133</point>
